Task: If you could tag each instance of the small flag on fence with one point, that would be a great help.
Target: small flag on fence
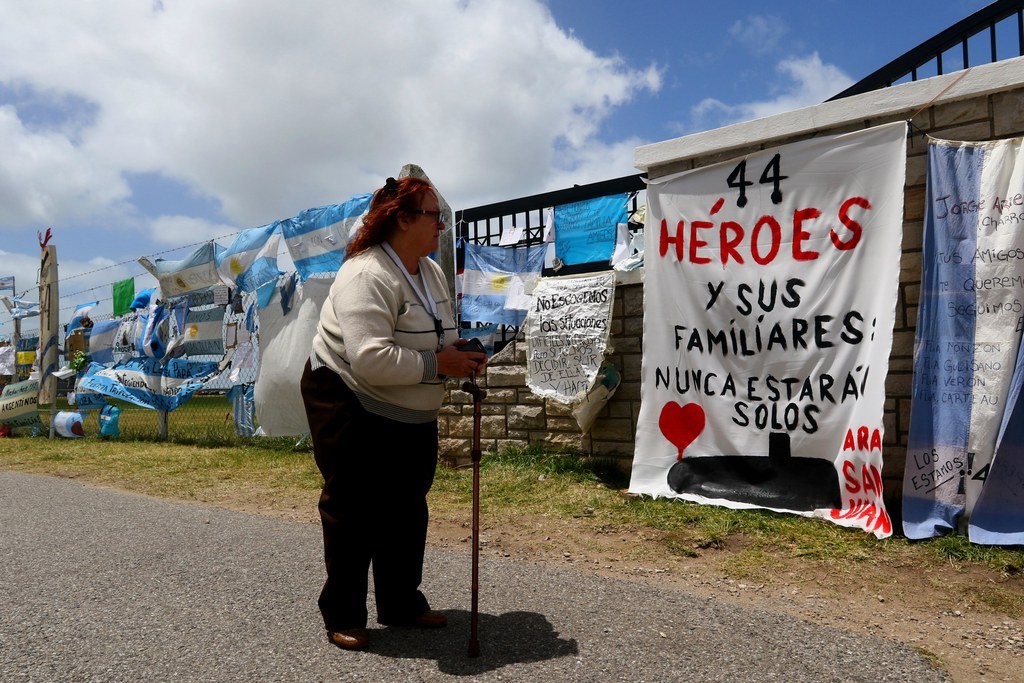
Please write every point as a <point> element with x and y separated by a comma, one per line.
<point>497,282</point>
<point>251,259</point>
<point>198,271</point>
<point>203,332</point>
<point>80,316</point>
<point>317,238</point>
<point>101,341</point>
<point>21,308</point>
<point>124,293</point>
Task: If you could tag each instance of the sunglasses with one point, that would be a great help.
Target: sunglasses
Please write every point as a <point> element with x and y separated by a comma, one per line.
<point>438,215</point>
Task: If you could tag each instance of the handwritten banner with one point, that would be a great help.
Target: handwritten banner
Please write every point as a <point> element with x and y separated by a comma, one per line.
<point>768,314</point>
<point>18,404</point>
<point>148,383</point>
<point>567,332</point>
<point>585,231</point>
<point>968,340</point>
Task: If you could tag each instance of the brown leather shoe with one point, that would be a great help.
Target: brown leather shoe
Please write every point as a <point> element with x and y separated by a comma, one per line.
<point>350,638</point>
<point>431,619</point>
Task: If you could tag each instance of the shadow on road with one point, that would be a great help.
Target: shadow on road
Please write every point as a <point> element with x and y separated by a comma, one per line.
<point>511,638</point>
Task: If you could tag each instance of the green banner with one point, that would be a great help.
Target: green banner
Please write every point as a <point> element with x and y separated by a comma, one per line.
<point>124,294</point>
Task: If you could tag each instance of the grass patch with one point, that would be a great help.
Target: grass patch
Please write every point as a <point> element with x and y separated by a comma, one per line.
<point>161,469</point>
<point>999,600</point>
<point>933,659</point>
<point>681,545</point>
<point>515,484</point>
<point>532,481</point>
<point>958,551</point>
<point>753,563</point>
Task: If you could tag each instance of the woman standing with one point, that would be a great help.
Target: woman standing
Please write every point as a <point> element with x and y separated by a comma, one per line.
<point>372,389</point>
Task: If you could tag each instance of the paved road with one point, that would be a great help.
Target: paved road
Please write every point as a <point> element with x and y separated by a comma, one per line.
<point>100,585</point>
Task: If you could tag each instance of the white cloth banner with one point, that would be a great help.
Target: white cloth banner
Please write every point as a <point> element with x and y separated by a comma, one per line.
<point>965,449</point>
<point>286,340</point>
<point>768,311</point>
<point>18,404</point>
<point>566,334</point>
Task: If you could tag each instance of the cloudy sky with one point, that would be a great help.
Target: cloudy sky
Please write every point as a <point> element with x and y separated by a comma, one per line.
<point>136,127</point>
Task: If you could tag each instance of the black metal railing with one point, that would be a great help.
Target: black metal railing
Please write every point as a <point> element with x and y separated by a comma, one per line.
<point>1005,17</point>
<point>485,224</point>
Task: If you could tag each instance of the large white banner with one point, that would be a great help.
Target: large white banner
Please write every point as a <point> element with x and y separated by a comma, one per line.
<point>769,298</point>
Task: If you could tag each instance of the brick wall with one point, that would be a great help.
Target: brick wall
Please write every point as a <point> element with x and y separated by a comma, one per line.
<point>512,415</point>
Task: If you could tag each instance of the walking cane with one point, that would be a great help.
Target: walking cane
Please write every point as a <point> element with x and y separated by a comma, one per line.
<point>478,394</point>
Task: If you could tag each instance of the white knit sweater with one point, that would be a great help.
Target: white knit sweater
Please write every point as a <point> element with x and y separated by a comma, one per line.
<point>375,332</point>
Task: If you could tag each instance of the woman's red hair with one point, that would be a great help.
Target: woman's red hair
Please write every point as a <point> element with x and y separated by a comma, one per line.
<point>381,220</point>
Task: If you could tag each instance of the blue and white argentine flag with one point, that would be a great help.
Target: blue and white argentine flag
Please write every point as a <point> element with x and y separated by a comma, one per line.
<point>20,308</point>
<point>251,259</point>
<point>203,332</point>
<point>965,451</point>
<point>148,383</point>
<point>101,341</point>
<point>317,238</point>
<point>497,282</point>
<point>7,282</point>
<point>197,271</point>
<point>80,314</point>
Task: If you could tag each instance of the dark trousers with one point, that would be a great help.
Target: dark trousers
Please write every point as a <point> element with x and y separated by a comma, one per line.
<point>373,507</point>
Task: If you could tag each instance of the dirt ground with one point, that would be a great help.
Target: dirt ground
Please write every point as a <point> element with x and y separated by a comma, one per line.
<point>944,614</point>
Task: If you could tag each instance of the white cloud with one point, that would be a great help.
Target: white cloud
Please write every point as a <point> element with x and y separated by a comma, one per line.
<point>759,34</point>
<point>597,163</point>
<point>271,108</point>
<point>182,230</point>
<point>808,81</point>
<point>45,179</point>
<point>24,268</point>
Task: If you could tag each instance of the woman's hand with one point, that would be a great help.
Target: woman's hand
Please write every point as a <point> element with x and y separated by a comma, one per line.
<point>455,363</point>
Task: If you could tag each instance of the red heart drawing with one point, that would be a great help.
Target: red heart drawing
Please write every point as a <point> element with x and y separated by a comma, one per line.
<point>681,424</point>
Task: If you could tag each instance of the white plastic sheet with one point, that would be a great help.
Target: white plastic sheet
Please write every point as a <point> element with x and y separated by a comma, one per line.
<point>286,340</point>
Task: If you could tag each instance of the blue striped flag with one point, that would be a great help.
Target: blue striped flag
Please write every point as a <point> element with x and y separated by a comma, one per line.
<point>80,315</point>
<point>21,309</point>
<point>7,282</point>
<point>196,271</point>
<point>149,383</point>
<point>243,402</point>
<point>101,341</point>
<point>316,238</point>
<point>497,282</point>
<point>965,449</point>
<point>203,332</point>
<point>251,259</point>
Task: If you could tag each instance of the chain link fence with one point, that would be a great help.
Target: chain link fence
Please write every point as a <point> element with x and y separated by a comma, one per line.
<point>222,412</point>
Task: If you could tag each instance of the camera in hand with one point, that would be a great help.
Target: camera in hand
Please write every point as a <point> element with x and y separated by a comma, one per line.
<point>473,344</point>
